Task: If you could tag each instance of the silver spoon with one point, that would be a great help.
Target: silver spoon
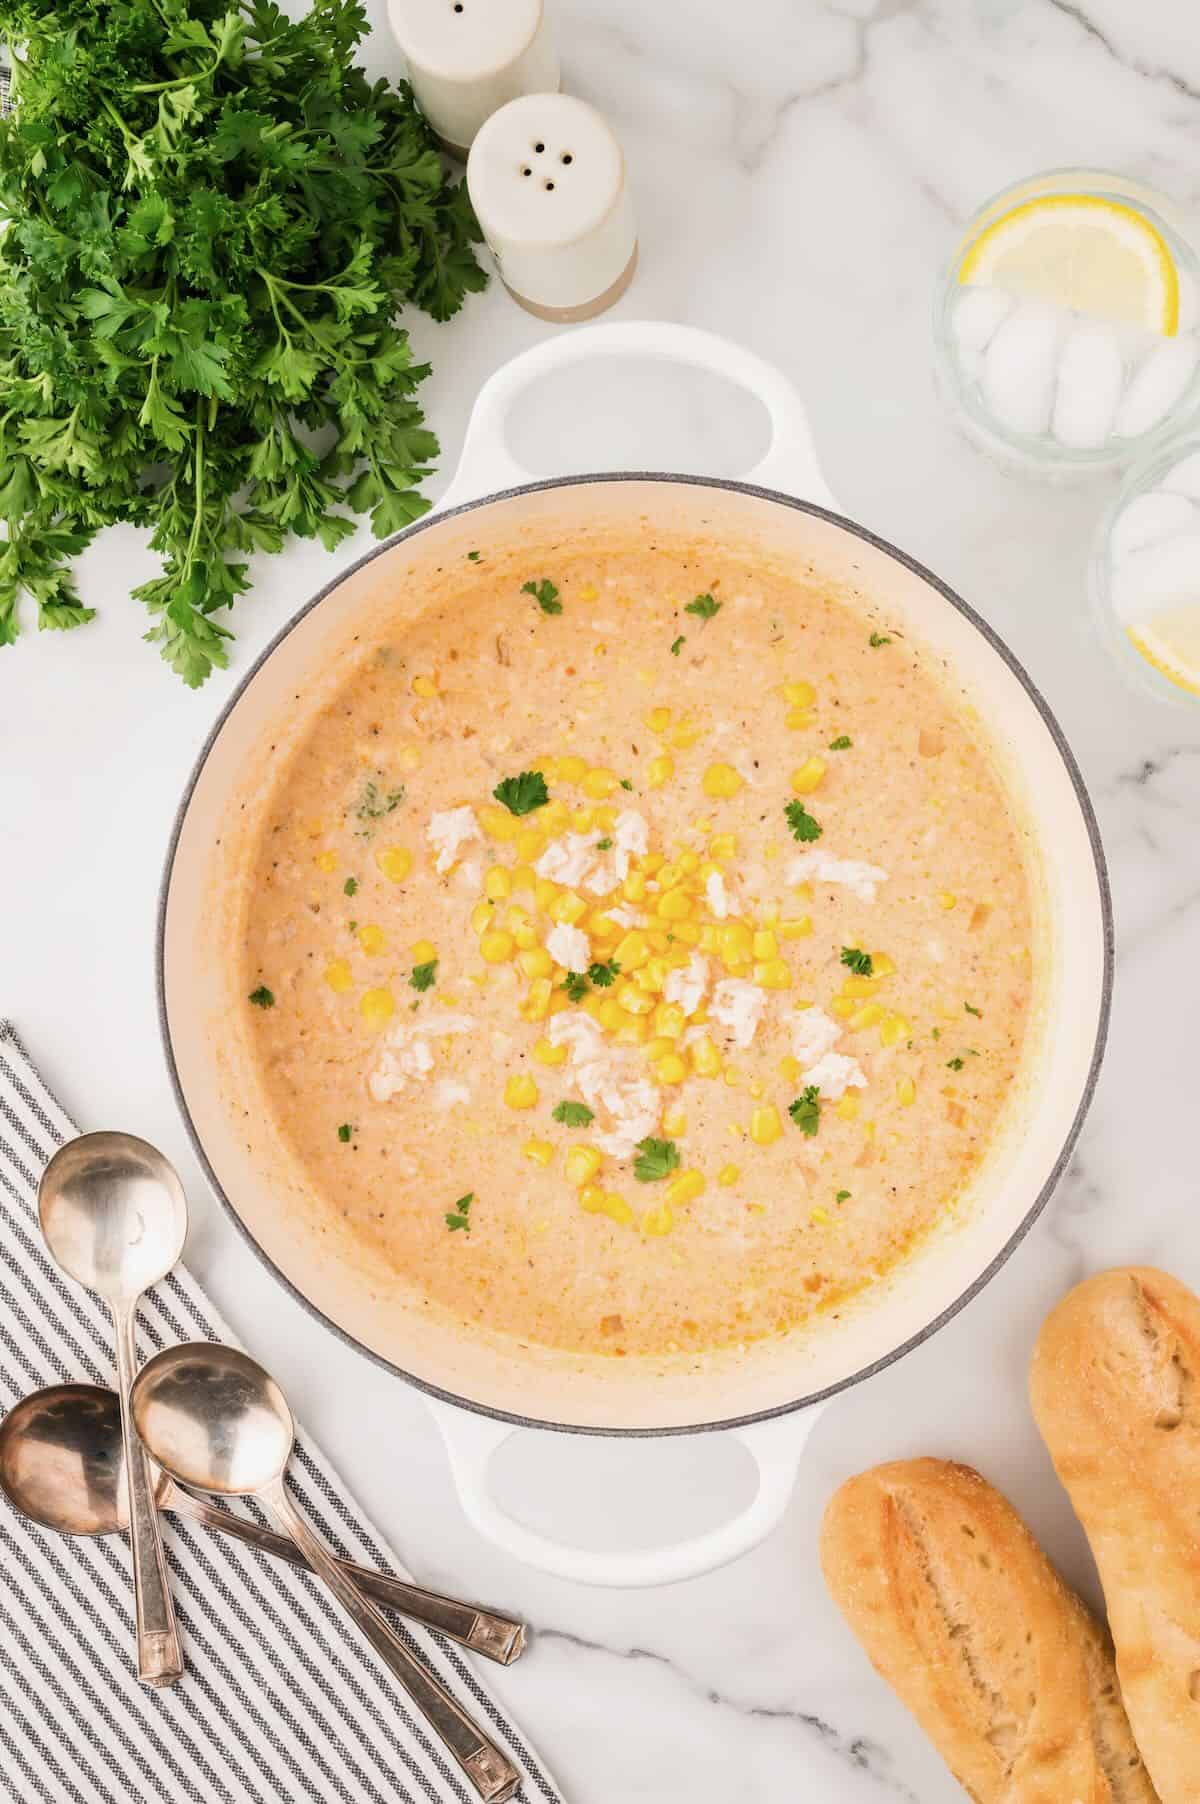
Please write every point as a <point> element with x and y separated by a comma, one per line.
<point>114,1216</point>
<point>62,1462</point>
<point>215,1420</point>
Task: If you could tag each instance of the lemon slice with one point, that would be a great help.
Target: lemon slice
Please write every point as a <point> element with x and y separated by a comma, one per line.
<point>1081,251</point>
<point>1171,642</point>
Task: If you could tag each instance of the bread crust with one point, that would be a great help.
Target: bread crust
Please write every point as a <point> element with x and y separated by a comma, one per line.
<point>1113,1384</point>
<point>960,1611</point>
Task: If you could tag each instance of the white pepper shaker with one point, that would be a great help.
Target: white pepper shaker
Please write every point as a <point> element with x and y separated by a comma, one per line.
<point>467,57</point>
<point>546,178</point>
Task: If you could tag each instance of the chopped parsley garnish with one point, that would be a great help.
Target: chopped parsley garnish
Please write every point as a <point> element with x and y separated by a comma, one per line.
<point>678,645</point>
<point>955,1064</point>
<point>423,976</point>
<point>878,639</point>
<point>936,1032</point>
<point>704,607</point>
<point>350,887</point>
<point>573,1114</point>
<point>656,1159</point>
<point>521,795</point>
<point>801,822</point>
<point>604,845</point>
<point>625,783</point>
<point>806,1110</point>
<point>262,997</point>
<point>377,802</point>
<point>459,1216</point>
<point>473,557</point>
<point>545,594</point>
<point>978,1013</point>
<point>576,986</point>
<point>344,1132</point>
<point>842,743</point>
<point>856,961</point>
<point>604,975</point>
<point>843,1196</point>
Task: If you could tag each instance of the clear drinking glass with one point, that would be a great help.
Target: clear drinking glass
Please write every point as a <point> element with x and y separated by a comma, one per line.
<point>1042,386</point>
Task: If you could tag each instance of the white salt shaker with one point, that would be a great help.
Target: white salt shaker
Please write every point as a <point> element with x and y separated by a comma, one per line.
<point>467,57</point>
<point>546,178</point>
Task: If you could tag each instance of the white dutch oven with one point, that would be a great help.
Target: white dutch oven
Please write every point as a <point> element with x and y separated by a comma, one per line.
<point>767,1395</point>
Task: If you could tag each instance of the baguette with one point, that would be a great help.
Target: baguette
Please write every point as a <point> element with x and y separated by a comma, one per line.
<point>1113,1386</point>
<point>960,1611</point>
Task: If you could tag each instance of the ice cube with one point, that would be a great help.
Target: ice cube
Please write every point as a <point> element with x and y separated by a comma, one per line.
<point>1148,518</point>
<point>1184,479</point>
<point>1019,368</point>
<point>977,313</point>
<point>1157,386</point>
<point>1091,376</point>
<point>1163,575</point>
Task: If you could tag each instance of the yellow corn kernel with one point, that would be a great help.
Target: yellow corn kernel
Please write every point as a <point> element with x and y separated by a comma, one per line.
<point>569,907</point>
<point>424,685</point>
<point>326,861</point>
<point>651,863</point>
<point>675,1121</point>
<point>670,1070</point>
<point>847,1109</point>
<point>591,1198</point>
<point>553,817</point>
<point>819,1216</point>
<point>894,1029</point>
<point>674,905</point>
<point>688,932</point>
<point>616,1208</point>
<point>377,1006</point>
<point>764,944</point>
<point>729,1174</point>
<point>631,951</point>
<point>372,939</point>
<point>581,1164</point>
<point>765,1125</point>
<point>735,942</point>
<point>795,927</point>
<point>339,976</point>
<point>668,875</point>
<point>706,1060</point>
<point>882,965</point>
<point>498,823</point>
<point>582,820</point>
<point>701,826</point>
<point>526,937</point>
<point>867,1015</point>
<point>634,887</point>
<point>789,1069</point>
<point>773,974</point>
<point>804,891</point>
<point>658,1220</point>
<point>798,720</point>
<point>946,899</point>
<point>610,1014</point>
<point>906,1091</point>
<point>632,1032</point>
<point>523,877</point>
<point>395,862</point>
<point>599,783</point>
<point>547,765</point>
<point>757,1090</point>
<point>409,758</point>
<point>658,719</point>
<point>536,1005</point>
<point>602,926</point>
<point>571,769</point>
<point>515,916</point>
<point>799,695</point>
<point>530,844</point>
<point>605,819</point>
<point>860,986</point>
<point>806,777</point>
<point>669,1019</point>
<point>722,845</point>
<point>843,1007</point>
<point>721,780</point>
<point>684,1188</point>
<point>546,1053</point>
<point>538,1152</point>
<point>659,771</point>
<point>422,951</point>
<point>544,892</point>
<point>520,1092</point>
<point>535,961</point>
<point>658,1047</point>
<point>496,946</point>
<point>684,734</point>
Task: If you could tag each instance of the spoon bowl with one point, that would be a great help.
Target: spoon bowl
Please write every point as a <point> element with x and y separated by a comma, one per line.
<point>62,1461</point>
<point>213,1418</point>
<point>113,1213</point>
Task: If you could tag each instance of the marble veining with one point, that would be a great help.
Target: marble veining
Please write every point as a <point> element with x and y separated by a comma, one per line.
<point>798,171</point>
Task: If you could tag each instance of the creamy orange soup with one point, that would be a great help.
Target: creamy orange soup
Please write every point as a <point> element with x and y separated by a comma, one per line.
<point>639,959</point>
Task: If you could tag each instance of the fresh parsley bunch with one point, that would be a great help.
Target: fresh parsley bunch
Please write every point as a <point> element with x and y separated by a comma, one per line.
<point>212,219</point>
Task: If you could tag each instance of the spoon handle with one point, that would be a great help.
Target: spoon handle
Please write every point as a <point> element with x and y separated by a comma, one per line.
<point>159,1657</point>
<point>494,1776</point>
<point>497,1637</point>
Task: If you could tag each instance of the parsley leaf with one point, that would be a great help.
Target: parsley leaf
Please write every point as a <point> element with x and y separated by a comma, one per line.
<point>545,594</point>
<point>573,1114</point>
<point>423,976</point>
<point>955,1064</point>
<point>842,743</point>
<point>656,1159</point>
<point>843,1196</point>
<point>806,1110</point>
<point>374,803</point>
<point>576,986</point>
<point>344,1132</point>
<point>262,997</point>
<point>858,962</point>
<point>704,607</point>
<point>604,845</point>
<point>459,1215</point>
<point>801,822</point>
<point>978,1013</point>
<point>625,783</point>
<point>677,645</point>
<point>878,639</point>
<point>521,795</point>
<point>604,975</point>
<point>473,557</point>
<point>350,887</point>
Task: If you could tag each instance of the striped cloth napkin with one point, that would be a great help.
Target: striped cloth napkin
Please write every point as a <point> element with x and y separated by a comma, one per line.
<point>281,1699</point>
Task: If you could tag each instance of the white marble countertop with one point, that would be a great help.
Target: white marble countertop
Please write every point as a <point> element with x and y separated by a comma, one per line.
<point>797,170</point>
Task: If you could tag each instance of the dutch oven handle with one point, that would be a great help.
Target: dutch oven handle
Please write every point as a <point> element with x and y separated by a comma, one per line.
<point>775,1446</point>
<point>790,465</point>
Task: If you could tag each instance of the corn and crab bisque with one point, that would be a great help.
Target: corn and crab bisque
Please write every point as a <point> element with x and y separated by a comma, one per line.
<point>638,957</point>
